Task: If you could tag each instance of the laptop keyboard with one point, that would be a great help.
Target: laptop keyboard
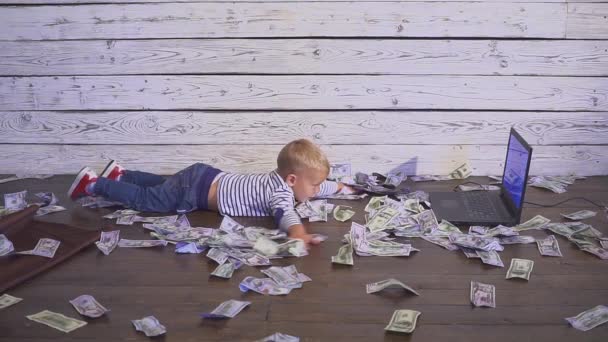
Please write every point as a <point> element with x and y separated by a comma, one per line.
<point>479,205</point>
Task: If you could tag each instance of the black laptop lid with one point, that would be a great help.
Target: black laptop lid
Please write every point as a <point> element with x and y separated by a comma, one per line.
<point>515,175</point>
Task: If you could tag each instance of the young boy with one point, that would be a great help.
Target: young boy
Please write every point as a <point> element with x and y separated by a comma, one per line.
<point>300,174</point>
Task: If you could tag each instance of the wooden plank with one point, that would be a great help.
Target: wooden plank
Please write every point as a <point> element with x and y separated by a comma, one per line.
<point>587,20</point>
<point>300,19</point>
<point>304,92</point>
<point>305,56</point>
<point>69,2</point>
<point>344,128</point>
<point>423,159</point>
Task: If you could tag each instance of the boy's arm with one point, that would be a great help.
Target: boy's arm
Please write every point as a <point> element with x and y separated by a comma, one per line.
<point>285,216</point>
<point>330,188</point>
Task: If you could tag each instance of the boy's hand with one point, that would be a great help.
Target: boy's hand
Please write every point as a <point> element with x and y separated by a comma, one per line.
<point>299,232</point>
<point>345,189</point>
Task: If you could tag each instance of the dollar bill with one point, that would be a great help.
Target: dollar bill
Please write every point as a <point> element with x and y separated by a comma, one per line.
<point>57,321</point>
<point>403,321</point>
<point>589,319</point>
<point>279,337</point>
<point>547,183</point>
<point>469,252</point>
<point>490,258</point>
<point>479,230</point>
<point>49,209</point>
<point>549,246</point>
<point>445,229</point>
<point>108,241</point>
<point>6,246</point>
<point>597,251</point>
<point>184,247</point>
<point>86,305</point>
<point>281,276</point>
<point>519,239</point>
<point>344,256</point>
<point>476,242</point>
<point>265,246</point>
<point>381,219</point>
<point>15,201</point>
<point>502,231</point>
<point>520,268</point>
<point>461,172</point>
<point>121,213</point>
<point>537,222</point>
<point>141,243</point>
<point>441,241</point>
<point>44,248</point>
<point>427,221</point>
<point>580,215</point>
<point>375,203</point>
<point>126,220</point>
<point>265,286</point>
<point>603,243</point>
<point>150,326</point>
<point>339,170</point>
<point>217,255</point>
<point>228,309</point>
<point>483,294</point>
<point>478,187</point>
<point>7,300</point>
<point>388,283</point>
<point>343,213</point>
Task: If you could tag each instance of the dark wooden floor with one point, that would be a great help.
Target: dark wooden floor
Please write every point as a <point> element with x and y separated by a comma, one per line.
<point>134,283</point>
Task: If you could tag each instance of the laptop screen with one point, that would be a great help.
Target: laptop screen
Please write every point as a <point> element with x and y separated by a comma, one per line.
<point>516,167</point>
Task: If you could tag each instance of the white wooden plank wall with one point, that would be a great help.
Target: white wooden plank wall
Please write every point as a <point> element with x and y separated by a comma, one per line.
<point>159,85</point>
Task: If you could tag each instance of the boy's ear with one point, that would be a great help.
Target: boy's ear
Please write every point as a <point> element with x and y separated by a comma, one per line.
<point>291,179</point>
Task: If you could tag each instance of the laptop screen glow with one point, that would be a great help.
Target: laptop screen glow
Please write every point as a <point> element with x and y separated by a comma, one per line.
<point>514,179</point>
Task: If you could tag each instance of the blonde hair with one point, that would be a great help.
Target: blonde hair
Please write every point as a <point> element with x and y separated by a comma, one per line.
<point>299,155</point>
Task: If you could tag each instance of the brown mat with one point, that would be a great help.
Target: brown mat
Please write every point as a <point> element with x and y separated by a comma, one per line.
<point>24,232</point>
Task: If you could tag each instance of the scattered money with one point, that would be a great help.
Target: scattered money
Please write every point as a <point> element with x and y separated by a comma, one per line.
<point>6,246</point>
<point>279,337</point>
<point>338,171</point>
<point>224,270</point>
<point>476,242</point>
<point>519,239</point>
<point>49,209</point>
<point>108,241</point>
<point>478,187</point>
<point>7,300</point>
<point>141,243</point>
<point>86,305</point>
<point>553,183</point>
<point>589,319</point>
<point>217,255</point>
<point>597,251</point>
<point>345,255</point>
<point>44,248</point>
<point>184,247</point>
<point>150,326</point>
<point>549,246</point>
<point>490,258</point>
<point>228,309</point>
<point>483,294</point>
<point>479,230</point>
<point>403,321</point>
<point>265,286</point>
<point>57,321</point>
<point>388,283</point>
<point>537,222</point>
<point>15,201</point>
<point>520,268</point>
<point>580,215</point>
<point>343,213</point>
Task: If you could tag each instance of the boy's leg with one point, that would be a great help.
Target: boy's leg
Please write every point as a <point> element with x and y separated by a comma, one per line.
<point>116,172</point>
<point>160,198</point>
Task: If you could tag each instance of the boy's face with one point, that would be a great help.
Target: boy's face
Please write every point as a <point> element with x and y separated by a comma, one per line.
<point>306,184</point>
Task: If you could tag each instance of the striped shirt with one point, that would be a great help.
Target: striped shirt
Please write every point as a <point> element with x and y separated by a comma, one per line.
<point>264,194</point>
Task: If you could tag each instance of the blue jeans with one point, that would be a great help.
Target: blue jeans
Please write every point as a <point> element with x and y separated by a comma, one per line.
<point>183,192</point>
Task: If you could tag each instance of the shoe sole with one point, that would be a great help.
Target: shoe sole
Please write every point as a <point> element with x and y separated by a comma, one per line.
<point>81,174</point>
<point>106,172</point>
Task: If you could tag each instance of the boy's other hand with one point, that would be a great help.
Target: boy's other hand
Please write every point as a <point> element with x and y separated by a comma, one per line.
<point>299,232</point>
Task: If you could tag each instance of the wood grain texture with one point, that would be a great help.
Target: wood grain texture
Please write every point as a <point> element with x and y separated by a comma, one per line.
<point>298,19</point>
<point>304,92</point>
<point>305,56</point>
<point>336,128</point>
<point>587,20</point>
<point>422,159</point>
<point>334,306</point>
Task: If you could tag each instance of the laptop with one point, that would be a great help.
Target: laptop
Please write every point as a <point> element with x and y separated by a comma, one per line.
<point>490,208</point>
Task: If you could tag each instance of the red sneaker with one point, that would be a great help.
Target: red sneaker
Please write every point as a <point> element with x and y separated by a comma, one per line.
<point>84,177</point>
<point>112,171</point>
